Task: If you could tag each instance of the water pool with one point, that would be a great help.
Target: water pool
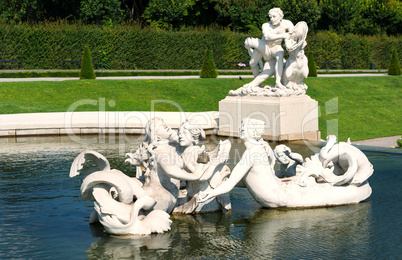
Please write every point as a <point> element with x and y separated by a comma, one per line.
<point>43,216</point>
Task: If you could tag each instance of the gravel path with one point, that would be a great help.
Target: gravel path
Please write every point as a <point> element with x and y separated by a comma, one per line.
<point>175,77</point>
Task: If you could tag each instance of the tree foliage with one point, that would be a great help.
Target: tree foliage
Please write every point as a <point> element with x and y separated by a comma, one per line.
<point>202,13</point>
<point>164,13</point>
<point>16,11</point>
<point>97,10</point>
<point>383,16</point>
<point>366,17</point>
<point>340,15</point>
<point>238,12</point>
<point>361,16</point>
<point>301,10</point>
<point>20,10</point>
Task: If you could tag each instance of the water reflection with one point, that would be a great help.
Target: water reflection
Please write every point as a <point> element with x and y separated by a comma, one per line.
<point>279,234</point>
<point>109,247</point>
<point>324,232</point>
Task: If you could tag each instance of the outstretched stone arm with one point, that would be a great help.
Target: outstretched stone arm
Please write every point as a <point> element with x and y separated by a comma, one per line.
<point>209,171</point>
<point>217,157</point>
<point>240,170</point>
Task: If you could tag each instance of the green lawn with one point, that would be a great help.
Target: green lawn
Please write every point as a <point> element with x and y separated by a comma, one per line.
<point>355,107</point>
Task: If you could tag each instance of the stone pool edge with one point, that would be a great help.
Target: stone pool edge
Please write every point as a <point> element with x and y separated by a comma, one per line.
<point>80,123</point>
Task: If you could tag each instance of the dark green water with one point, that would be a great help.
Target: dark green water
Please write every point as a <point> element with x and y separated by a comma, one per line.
<point>43,217</point>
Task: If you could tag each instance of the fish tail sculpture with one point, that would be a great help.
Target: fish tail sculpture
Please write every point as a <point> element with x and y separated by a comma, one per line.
<point>102,164</point>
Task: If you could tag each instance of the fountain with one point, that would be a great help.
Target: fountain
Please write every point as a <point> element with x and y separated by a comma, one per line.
<point>176,176</point>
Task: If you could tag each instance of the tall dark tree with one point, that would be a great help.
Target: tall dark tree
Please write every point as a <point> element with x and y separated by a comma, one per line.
<point>202,13</point>
<point>61,9</point>
<point>135,9</point>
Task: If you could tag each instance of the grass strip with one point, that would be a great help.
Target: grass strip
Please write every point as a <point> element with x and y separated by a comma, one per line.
<point>355,107</point>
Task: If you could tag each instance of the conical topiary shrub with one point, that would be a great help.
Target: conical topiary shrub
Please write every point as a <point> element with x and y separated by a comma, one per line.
<point>208,69</point>
<point>87,68</point>
<point>394,68</point>
<point>312,67</point>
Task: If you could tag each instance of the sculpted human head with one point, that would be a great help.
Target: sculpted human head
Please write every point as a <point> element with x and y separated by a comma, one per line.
<point>156,130</point>
<point>275,15</point>
<point>190,134</point>
<point>251,129</point>
<point>280,154</point>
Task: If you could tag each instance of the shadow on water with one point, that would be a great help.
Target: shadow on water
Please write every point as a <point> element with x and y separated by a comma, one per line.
<point>43,215</point>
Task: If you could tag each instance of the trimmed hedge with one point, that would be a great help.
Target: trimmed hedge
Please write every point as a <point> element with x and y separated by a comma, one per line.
<point>126,47</point>
<point>354,51</point>
<point>394,68</point>
<point>312,67</point>
<point>208,69</point>
<point>87,69</point>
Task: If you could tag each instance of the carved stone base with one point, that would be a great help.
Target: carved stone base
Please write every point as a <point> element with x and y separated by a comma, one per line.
<point>286,118</point>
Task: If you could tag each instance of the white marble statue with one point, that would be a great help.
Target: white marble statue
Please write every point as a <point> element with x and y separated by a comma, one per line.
<point>119,203</point>
<point>125,205</point>
<point>178,162</point>
<point>339,164</point>
<point>269,48</point>
<point>348,184</point>
<point>193,157</point>
<point>289,75</point>
<point>296,67</point>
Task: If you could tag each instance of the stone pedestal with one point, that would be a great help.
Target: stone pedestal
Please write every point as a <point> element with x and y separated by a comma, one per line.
<point>286,118</point>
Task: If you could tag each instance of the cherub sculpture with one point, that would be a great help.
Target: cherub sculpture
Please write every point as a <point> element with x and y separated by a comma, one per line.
<point>287,160</point>
<point>125,205</point>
